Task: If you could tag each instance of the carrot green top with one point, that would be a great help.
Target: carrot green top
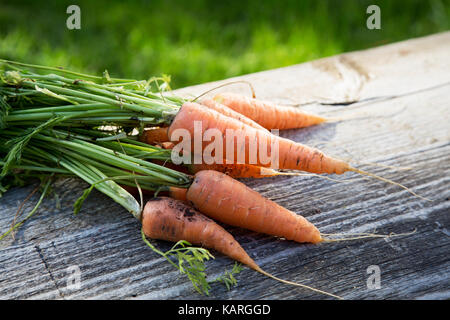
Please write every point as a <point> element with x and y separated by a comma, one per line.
<point>56,121</point>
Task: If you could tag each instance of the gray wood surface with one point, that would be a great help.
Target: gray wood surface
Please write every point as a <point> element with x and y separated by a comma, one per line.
<point>395,101</point>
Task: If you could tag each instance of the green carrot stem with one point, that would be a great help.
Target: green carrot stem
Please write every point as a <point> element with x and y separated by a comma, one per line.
<point>107,91</point>
<point>72,114</point>
<point>65,108</point>
<point>64,71</point>
<point>37,168</point>
<point>119,159</point>
<point>91,175</point>
<point>156,110</point>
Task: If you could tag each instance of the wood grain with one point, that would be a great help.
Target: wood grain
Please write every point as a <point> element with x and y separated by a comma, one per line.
<point>395,100</point>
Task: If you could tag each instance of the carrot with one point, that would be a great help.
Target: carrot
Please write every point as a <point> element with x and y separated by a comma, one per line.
<point>172,220</point>
<point>233,170</point>
<point>178,193</point>
<point>227,200</point>
<point>236,170</point>
<point>167,145</point>
<point>249,171</point>
<point>154,135</point>
<point>158,135</point>
<point>223,109</point>
<point>291,155</point>
<point>267,114</point>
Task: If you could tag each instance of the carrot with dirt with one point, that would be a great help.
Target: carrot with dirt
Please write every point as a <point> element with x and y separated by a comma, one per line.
<point>227,200</point>
<point>233,170</point>
<point>292,155</point>
<point>267,114</point>
<point>248,145</point>
<point>172,220</point>
<point>168,219</point>
<point>158,135</point>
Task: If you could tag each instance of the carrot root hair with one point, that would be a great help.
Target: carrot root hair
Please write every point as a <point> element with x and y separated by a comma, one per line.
<point>386,166</point>
<point>224,85</point>
<point>297,284</point>
<point>363,235</point>
<point>388,181</point>
<point>282,173</point>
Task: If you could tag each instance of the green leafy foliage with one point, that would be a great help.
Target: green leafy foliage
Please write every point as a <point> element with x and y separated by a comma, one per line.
<point>4,110</point>
<point>228,278</point>
<point>190,261</point>
<point>19,143</point>
<point>79,202</point>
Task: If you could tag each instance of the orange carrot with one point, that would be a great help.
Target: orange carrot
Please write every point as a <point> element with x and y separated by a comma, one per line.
<point>281,153</point>
<point>227,200</point>
<point>158,135</point>
<point>172,220</point>
<point>250,171</point>
<point>223,109</point>
<point>154,135</point>
<point>236,170</point>
<point>178,193</point>
<point>267,114</point>
<point>233,170</point>
<point>291,155</point>
<point>167,145</point>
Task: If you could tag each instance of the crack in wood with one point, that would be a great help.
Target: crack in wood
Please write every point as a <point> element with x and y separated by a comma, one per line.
<point>47,268</point>
<point>381,98</point>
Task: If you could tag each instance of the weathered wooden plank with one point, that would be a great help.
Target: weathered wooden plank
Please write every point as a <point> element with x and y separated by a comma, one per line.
<point>410,130</point>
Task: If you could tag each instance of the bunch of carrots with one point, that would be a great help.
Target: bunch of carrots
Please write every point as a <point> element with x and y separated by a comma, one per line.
<point>117,135</point>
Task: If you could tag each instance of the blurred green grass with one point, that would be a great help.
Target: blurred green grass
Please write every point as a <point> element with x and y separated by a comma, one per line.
<point>198,41</point>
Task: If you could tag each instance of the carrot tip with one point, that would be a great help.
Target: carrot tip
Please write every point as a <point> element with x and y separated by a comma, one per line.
<point>388,181</point>
<point>297,284</point>
<point>364,235</point>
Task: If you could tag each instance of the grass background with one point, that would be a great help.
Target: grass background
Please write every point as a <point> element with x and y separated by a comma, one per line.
<point>197,41</point>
